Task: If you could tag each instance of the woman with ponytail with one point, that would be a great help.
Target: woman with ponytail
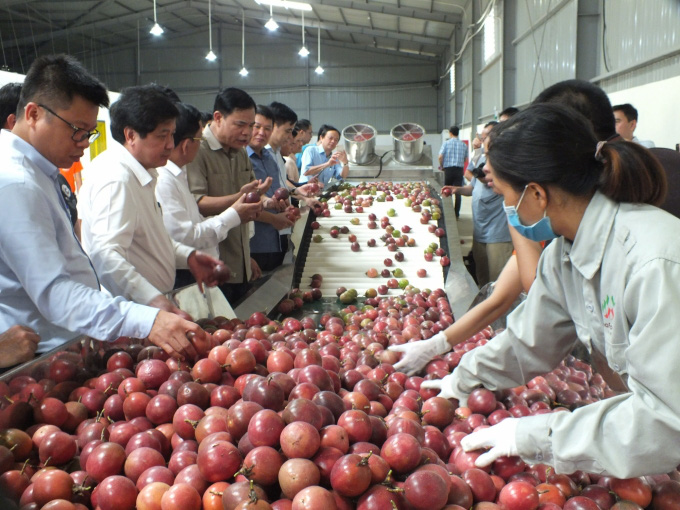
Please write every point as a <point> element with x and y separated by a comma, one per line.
<point>610,279</point>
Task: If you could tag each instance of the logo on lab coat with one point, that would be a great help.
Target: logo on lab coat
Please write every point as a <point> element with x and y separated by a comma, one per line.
<point>608,307</point>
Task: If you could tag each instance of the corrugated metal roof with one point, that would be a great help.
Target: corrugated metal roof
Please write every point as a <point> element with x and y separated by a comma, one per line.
<point>81,27</point>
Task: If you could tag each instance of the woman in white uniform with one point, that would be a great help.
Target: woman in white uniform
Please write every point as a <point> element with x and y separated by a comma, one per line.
<point>610,279</point>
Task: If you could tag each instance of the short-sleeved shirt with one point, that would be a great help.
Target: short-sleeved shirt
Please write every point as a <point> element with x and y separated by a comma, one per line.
<point>454,152</point>
<point>316,155</point>
<point>490,223</point>
<point>216,172</point>
<point>266,238</point>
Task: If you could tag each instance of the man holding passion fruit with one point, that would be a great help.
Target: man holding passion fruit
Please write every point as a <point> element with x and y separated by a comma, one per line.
<point>221,173</point>
<point>123,229</point>
<point>47,281</point>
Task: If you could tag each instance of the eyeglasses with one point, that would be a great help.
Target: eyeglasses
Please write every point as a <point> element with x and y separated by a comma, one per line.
<point>79,134</point>
<point>198,139</point>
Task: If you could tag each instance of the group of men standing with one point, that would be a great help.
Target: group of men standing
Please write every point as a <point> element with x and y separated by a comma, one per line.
<point>166,201</point>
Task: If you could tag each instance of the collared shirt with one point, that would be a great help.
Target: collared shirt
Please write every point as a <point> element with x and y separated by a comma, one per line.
<point>298,156</point>
<point>490,223</point>
<point>181,217</point>
<point>283,175</point>
<point>645,143</point>
<point>615,288</point>
<point>266,238</point>
<point>316,155</point>
<point>216,172</point>
<point>46,280</point>
<point>454,152</point>
<point>292,172</point>
<point>123,229</point>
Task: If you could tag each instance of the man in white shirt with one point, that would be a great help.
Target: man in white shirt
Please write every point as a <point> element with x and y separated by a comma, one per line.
<point>46,280</point>
<point>626,118</point>
<point>282,134</point>
<point>123,227</point>
<point>181,216</point>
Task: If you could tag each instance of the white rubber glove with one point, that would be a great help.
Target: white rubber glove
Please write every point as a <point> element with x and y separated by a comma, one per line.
<point>418,354</point>
<point>448,388</point>
<point>500,438</point>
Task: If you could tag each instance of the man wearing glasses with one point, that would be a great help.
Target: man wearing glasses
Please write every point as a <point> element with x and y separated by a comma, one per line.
<point>123,229</point>
<point>46,281</point>
<point>181,216</point>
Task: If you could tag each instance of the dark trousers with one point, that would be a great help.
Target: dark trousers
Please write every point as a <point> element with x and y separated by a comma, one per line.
<point>234,292</point>
<point>453,176</point>
<point>270,261</point>
<point>183,277</point>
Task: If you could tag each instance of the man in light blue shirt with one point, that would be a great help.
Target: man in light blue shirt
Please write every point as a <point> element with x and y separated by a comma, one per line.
<point>452,158</point>
<point>46,280</point>
<point>321,162</point>
<point>269,244</point>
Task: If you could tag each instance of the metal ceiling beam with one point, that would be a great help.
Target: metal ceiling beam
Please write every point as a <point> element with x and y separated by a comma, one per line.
<point>236,13</point>
<point>409,12</point>
<point>355,29</point>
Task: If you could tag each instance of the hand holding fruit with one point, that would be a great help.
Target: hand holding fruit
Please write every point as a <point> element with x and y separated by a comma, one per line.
<point>418,354</point>
<point>249,187</point>
<point>293,213</point>
<point>203,267</point>
<point>247,211</point>
<point>281,221</point>
<point>169,332</point>
<point>500,438</point>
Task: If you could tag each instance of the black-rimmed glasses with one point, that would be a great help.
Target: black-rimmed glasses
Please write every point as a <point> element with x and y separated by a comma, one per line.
<point>79,134</point>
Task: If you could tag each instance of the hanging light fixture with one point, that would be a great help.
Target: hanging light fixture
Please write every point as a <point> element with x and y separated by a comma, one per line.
<point>243,71</point>
<point>319,69</point>
<point>271,25</point>
<point>156,29</point>
<point>303,51</point>
<point>210,56</point>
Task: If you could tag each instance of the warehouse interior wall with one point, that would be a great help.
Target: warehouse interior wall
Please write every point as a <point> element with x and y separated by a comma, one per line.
<point>358,86</point>
<point>629,48</point>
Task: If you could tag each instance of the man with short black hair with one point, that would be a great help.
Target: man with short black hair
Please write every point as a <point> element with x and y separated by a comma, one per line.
<point>269,244</point>
<point>452,158</point>
<point>220,174</point>
<point>181,216</point>
<point>626,118</point>
<point>48,283</point>
<point>282,134</point>
<point>507,113</point>
<point>9,99</point>
<point>123,227</point>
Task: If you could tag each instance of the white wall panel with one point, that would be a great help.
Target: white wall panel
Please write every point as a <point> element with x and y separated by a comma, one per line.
<point>638,31</point>
<point>548,54</point>
<point>491,87</point>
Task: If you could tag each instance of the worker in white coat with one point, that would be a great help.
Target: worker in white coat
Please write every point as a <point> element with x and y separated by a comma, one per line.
<point>609,280</point>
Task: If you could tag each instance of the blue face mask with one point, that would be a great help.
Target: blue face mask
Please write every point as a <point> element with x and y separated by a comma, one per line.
<point>539,231</point>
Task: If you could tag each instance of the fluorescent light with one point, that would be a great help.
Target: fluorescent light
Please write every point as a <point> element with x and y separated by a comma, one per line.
<point>243,71</point>
<point>271,25</point>
<point>303,51</point>
<point>211,56</point>
<point>156,29</point>
<point>319,69</point>
<point>287,4</point>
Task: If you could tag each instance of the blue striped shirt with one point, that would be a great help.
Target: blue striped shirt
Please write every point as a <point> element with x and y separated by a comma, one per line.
<point>454,152</point>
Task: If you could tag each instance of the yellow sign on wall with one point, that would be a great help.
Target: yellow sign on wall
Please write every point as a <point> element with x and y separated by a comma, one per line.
<point>99,145</point>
